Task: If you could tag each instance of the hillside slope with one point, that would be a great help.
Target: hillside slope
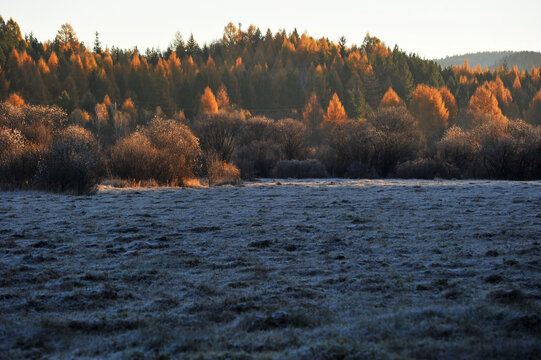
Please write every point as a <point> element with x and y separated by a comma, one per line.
<point>523,59</point>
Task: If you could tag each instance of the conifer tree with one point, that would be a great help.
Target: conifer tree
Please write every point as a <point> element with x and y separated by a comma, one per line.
<point>450,104</point>
<point>390,98</point>
<point>222,99</point>
<point>429,109</point>
<point>208,102</point>
<point>336,114</point>
<point>533,114</point>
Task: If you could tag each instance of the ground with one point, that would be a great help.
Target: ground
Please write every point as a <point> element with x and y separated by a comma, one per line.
<point>326,269</point>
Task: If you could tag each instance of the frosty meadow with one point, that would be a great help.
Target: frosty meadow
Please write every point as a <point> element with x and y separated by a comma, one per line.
<point>321,269</point>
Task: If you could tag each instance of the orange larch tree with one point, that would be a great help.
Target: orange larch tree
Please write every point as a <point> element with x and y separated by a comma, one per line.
<point>335,111</point>
<point>484,101</point>
<point>502,94</point>
<point>312,117</point>
<point>450,104</point>
<point>516,83</point>
<point>222,98</point>
<point>429,109</point>
<point>53,60</point>
<point>484,105</point>
<point>390,98</point>
<point>313,114</point>
<point>208,102</point>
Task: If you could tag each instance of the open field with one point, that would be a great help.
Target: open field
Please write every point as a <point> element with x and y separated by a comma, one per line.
<point>326,269</point>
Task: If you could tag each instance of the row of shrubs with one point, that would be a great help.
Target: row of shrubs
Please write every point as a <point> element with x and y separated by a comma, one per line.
<point>388,144</point>
<point>63,157</point>
<point>40,148</point>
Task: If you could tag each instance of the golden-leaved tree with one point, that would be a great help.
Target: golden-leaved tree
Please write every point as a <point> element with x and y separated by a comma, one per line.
<point>222,98</point>
<point>336,114</point>
<point>450,104</point>
<point>483,105</point>
<point>390,98</point>
<point>428,107</point>
<point>484,101</point>
<point>313,114</point>
<point>67,38</point>
<point>208,102</point>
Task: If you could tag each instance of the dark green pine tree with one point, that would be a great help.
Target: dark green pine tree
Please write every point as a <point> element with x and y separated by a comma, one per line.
<point>97,44</point>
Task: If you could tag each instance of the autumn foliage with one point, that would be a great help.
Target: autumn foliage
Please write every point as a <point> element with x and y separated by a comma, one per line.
<point>361,111</point>
<point>451,105</point>
<point>484,104</point>
<point>208,102</point>
<point>15,100</point>
<point>336,114</point>
<point>390,99</point>
<point>428,106</point>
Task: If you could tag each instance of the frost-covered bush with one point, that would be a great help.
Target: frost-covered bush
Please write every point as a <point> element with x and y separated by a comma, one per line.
<point>512,153</point>
<point>351,142</point>
<point>257,159</point>
<point>166,151</point>
<point>358,170</point>
<point>458,148</point>
<point>257,150</point>
<point>72,164</point>
<point>219,132</point>
<point>427,169</point>
<point>36,123</point>
<point>256,129</point>
<point>396,138</point>
<point>18,159</point>
<point>300,169</point>
<point>178,149</point>
<point>134,157</point>
<point>290,136</point>
<point>222,173</point>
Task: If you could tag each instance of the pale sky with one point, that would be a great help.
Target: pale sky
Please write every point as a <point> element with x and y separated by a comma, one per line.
<point>430,28</point>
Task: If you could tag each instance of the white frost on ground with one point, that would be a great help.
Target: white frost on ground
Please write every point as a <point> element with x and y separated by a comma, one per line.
<point>299,269</point>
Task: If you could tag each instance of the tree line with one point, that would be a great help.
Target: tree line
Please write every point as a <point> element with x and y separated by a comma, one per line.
<point>267,102</point>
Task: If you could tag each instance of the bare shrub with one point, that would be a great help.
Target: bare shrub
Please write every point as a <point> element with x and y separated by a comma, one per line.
<point>257,152</point>
<point>166,151</point>
<point>358,170</point>
<point>256,129</point>
<point>300,169</point>
<point>222,173</point>
<point>397,138</point>
<point>508,154</point>
<point>72,164</point>
<point>36,123</point>
<point>458,148</point>
<point>427,169</point>
<point>178,148</point>
<point>18,159</point>
<point>219,132</point>
<point>291,138</point>
<point>327,156</point>
<point>352,142</point>
<point>257,159</point>
<point>134,157</point>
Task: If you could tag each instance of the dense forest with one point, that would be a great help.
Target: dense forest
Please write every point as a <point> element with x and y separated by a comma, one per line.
<point>255,104</point>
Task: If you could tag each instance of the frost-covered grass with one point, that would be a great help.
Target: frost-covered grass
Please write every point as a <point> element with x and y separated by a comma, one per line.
<point>327,269</point>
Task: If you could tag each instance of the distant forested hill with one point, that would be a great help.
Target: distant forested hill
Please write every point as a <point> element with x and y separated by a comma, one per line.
<point>523,59</point>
